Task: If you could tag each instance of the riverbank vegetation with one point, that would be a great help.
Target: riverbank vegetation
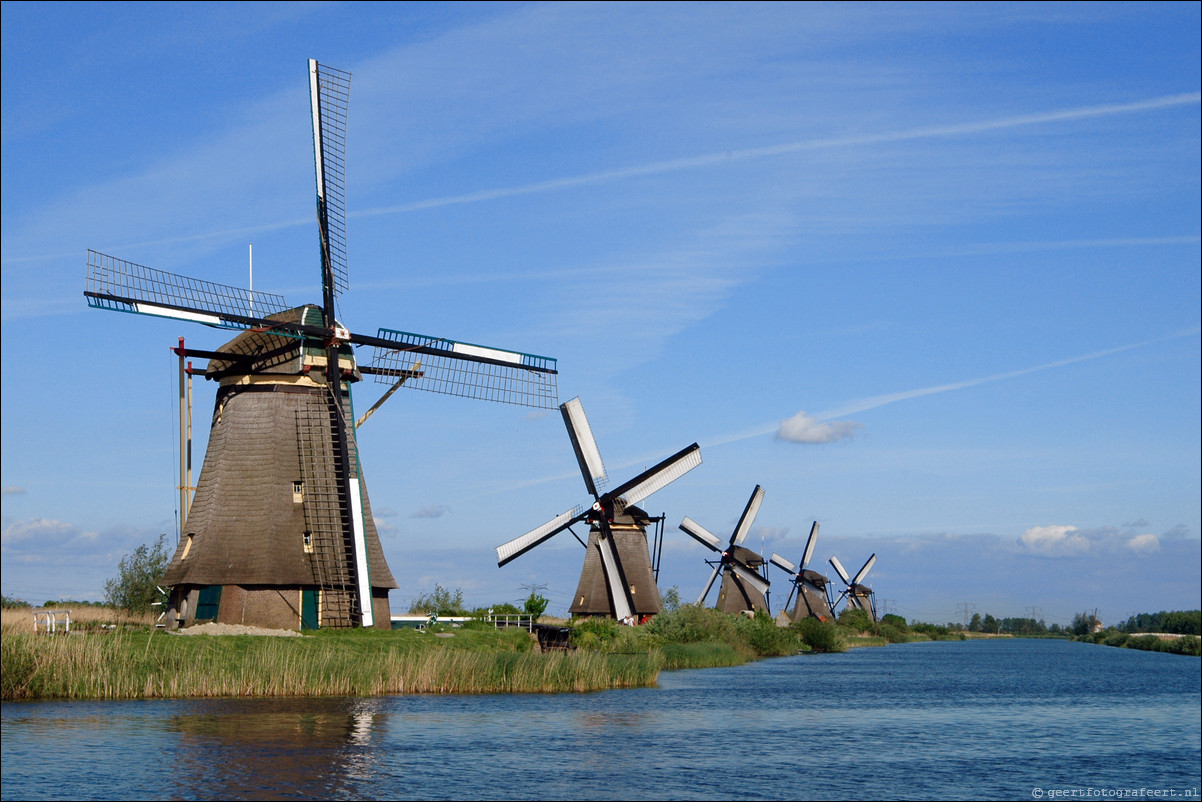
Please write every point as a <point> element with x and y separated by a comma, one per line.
<point>112,654</point>
<point>1171,632</point>
<point>115,654</point>
<point>144,663</point>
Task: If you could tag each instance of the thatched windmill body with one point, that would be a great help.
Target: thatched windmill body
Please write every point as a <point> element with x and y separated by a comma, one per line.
<point>743,587</point>
<point>617,580</point>
<point>280,531</point>
<point>810,588</point>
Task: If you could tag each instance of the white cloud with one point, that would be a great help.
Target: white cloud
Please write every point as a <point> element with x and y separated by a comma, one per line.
<point>434,511</point>
<point>47,531</point>
<point>1145,543</point>
<point>12,491</point>
<point>1055,541</point>
<point>803,428</point>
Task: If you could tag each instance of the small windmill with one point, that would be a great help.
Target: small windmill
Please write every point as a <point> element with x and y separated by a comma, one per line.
<point>280,532</point>
<point>743,587</point>
<point>810,587</point>
<point>858,596</point>
<point>617,579</point>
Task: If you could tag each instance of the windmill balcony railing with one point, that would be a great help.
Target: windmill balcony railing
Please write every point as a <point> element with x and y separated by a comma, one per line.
<point>504,620</point>
<point>500,621</point>
<point>51,622</point>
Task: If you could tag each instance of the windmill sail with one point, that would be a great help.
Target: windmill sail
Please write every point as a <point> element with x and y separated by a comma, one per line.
<point>124,286</point>
<point>585,445</point>
<point>329,97</point>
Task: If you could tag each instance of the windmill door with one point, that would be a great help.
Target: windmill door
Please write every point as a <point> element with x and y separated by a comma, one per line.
<point>209,603</point>
<point>309,619</point>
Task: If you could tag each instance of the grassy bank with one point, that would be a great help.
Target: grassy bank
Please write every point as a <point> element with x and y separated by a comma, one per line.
<point>107,658</point>
<point>1189,645</point>
<point>699,637</point>
<point>147,664</point>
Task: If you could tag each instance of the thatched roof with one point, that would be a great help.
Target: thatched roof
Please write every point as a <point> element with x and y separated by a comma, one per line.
<point>276,354</point>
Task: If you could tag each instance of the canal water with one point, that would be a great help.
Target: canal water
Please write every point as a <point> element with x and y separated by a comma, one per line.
<point>982,719</point>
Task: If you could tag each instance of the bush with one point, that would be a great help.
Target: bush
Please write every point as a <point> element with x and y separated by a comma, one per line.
<point>820,636</point>
<point>605,635</point>
<point>893,633</point>
<point>1116,638</point>
<point>136,587</point>
<point>765,638</point>
<point>441,601</point>
<point>691,623</point>
<point>1187,644</point>
<point>1146,643</point>
<point>11,602</point>
<point>855,619</point>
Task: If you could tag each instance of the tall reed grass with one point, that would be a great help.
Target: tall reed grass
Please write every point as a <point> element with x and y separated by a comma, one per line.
<point>17,620</point>
<point>147,664</point>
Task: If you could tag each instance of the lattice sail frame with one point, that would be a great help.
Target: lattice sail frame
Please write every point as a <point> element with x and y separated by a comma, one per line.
<point>331,89</point>
<point>125,286</point>
<point>454,368</point>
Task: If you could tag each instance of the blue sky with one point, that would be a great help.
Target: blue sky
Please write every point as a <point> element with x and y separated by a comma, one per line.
<point>927,273</point>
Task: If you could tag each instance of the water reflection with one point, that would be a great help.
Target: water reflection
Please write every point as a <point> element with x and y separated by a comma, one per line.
<point>271,749</point>
<point>929,721</point>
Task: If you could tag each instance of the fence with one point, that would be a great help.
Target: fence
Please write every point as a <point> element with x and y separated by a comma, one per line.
<point>50,622</point>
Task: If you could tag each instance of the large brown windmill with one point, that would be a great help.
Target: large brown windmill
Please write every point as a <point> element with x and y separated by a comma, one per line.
<point>811,588</point>
<point>743,588</point>
<point>617,580</point>
<point>280,532</point>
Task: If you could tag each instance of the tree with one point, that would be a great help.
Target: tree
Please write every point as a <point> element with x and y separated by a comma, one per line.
<point>535,605</point>
<point>441,601</point>
<point>671,599</point>
<point>12,601</point>
<point>1084,623</point>
<point>136,587</point>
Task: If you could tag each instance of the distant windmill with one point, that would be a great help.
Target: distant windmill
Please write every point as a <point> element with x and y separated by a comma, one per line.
<point>280,532</point>
<point>617,579</point>
<point>810,587</point>
<point>743,588</point>
<point>858,596</point>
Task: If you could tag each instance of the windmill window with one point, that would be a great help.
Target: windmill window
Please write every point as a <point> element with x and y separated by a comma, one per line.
<point>308,536</point>
<point>298,492</point>
<point>187,547</point>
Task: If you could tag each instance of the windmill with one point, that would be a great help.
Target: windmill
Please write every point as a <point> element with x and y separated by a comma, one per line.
<point>617,578</point>
<point>809,586</point>
<point>859,597</point>
<point>743,587</point>
<point>280,531</point>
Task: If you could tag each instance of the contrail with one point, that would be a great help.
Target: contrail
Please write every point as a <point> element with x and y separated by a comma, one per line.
<point>708,160</point>
<point>872,402</point>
